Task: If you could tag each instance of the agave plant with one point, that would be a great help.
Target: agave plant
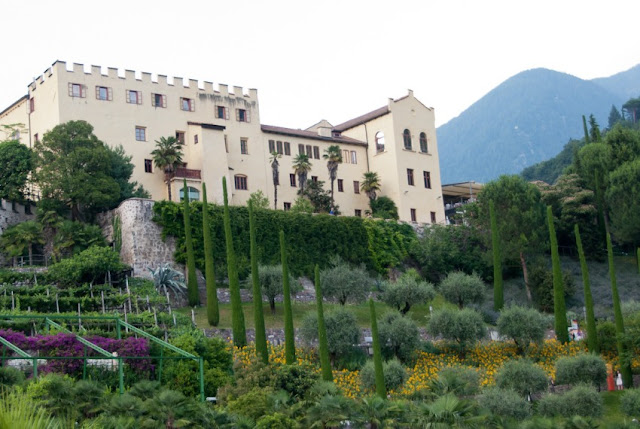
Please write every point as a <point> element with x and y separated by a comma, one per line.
<point>166,278</point>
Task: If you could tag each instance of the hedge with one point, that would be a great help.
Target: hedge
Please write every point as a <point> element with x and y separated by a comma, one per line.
<point>311,240</point>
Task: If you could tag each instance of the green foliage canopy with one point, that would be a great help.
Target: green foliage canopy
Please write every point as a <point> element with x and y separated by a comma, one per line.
<point>15,166</point>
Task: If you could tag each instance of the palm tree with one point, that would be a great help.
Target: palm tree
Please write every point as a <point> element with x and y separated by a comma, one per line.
<point>447,412</point>
<point>301,167</point>
<point>370,185</point>
<point>168,156</point>
<point>333,155</point>
<point>21,236</point>
<point>275,170</point>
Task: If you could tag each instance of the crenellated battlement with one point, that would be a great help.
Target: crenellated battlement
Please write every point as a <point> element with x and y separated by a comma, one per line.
<point>62,68</point>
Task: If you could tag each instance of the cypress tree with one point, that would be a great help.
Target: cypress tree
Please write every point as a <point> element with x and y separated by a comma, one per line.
<point>213,313</point>
<point>192,281</point>
<point>289,335</point>
<point>592,334</point>
<point>258,315</point>
<point>237,316</point>
<point>586,131</point>
<point>381,390</point>
<point>623,358</point>
<point>638,257</point>
<point>559,308</point>
<point>498,288</point>
<point>323,347</point>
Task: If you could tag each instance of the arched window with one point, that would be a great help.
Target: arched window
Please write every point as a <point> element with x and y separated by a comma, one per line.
<point>407,139</point>
<point>379,141</point>
<point>423,143</point>
<point>194,194</point>
<point>241,182</point>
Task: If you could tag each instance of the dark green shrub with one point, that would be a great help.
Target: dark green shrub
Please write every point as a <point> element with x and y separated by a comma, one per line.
<point>522,376</point>
<point>584,368</point>
<point>583,400</point>
<point>89,266</point>
<point>384,208</point>
<point>11,376</point>
<point>276,421</point>
<point>462,381</point>
<point>145,389</point>
<point>630,402</point>
<point>294,379</point>
<point>607,337</point>
<point>11,277</point>
<point>394,374</point>
<point>253,404</point>
<point>505,403</point>
<point>541,284</point>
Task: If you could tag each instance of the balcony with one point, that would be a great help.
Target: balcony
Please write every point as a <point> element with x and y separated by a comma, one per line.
<point>185,173</point>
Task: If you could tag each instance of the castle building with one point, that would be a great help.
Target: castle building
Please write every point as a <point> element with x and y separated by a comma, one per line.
<point>223,136</point>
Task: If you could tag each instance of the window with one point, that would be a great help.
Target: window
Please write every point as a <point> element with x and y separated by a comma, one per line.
<point>314,178</point>
<point>187,104</point>
<point>141,134</point>
<point>195,139</point>
<point>433,217</point>
<point>379,141</point>
<point>356,187</point>
<point>104,93</point>
<point>36,138</point>
<point>279,147</point>
<point>309,151</point>
<point>410,177</point>
<point>301,149</point>
<point>272,146</point>
<point>180,136</point>
<point>32,104</point>
<point>427,179</point>
<point>242,115</point>
<point>413,215</point>
<point>287,148</point>
<point>222,112</point>
<point>316,152</point>
<point>134,97</point>
<point>423,143</point>
<point>354,157</point>
<point>241,182</point>
<point>287,207</point>
<point>148,166</point>
<point>244,148</point>
<point>292,180</point>
<point>358,213</point>
<point>340,185</point>
<point>345,157</point>
<point>406,135</point>
<point>158,100</point>
<point>15,135</point>
<point>192,193</point>
<point>77,90</point>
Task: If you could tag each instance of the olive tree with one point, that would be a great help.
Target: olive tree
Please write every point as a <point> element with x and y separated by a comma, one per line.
<point>271,283</point>
<point>345,283</point>
<point>407,291</point>
<point>399,336</point>
<point>462,289</point>
<point>342,328</point>
<point>523,325</point>
<point>464,327</point>
<point>522,376</point>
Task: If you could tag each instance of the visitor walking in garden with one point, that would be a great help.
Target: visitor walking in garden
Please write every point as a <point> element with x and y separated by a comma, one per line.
<point>619,385</point>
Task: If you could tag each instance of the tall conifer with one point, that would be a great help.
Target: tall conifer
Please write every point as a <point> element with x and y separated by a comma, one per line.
<point>213,312</point>
<point>586,130</point>
<point>559,307</point>
<point>193,296</point>
<point>289,335</point>
<point>381,389</point>
<point>498,288</point>
<point>592,334</point>
<point>323,347</point>
<point>258,315</point>
<point>623,356</point>
<point>237,316</point>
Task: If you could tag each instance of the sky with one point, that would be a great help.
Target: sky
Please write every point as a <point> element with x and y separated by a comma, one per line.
<point>331,60</point>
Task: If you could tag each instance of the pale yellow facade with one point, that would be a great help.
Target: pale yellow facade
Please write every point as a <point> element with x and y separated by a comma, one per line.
<point>223,137</point>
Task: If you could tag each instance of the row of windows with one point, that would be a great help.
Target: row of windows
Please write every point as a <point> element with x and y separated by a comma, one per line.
<point>426,176</point>
<point>281,148</point>
<point>406,137</point>
<point>105,93</point>
<point>414,216</point>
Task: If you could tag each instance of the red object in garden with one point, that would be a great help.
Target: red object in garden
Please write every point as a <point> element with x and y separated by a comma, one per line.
<point>611,385</point>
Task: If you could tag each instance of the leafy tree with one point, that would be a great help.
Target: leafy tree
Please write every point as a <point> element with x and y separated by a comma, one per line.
<point>258,200</point>
<point>341,328</point>
<point>87,266</point>
<point>460,288</point>
<point>167,156</point>
<point>21,236</point>
<point>258,315</point>
<point>384,208</point>
<point>192,280</point>
<point>289,333</point>
<point>407,291</point>
<point>121,171</point>
<point>614,117</point>
<point>381,389</point>
<point>302,205</point>
<point>74,167</point>
<point>344,282</point>
<point>523,325</point>
<point>237,316</point>
<point>323,348</point>
<point>333,155</point>
<point>592,335</point>
<point>72,237</point>
<point>630,109</point>
<point>519,218</point>
<point>584,368</point>
<point>301,167</point>
<point>370,185</point>
<point>624,143</point>
<point>213,312</point>
<point>522,376</point>
<point>464,327</point>
<point>399,336</point>
<point>559,307</point>
<point>623,196</point>
<point>270,277</point>
<point>275,171</point>
<point>498,288</point>
<point>318,197</point>
<point>15,166</point>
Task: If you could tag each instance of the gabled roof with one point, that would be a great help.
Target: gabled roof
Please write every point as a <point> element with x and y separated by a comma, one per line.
<point>24,97</point>
<point>309,135</point>
<point>362,119</point>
